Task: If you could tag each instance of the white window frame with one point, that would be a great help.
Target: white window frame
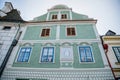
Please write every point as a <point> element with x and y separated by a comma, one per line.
<point>42,30</point>
<point>71,26</point>
<point>93,60</point>
<point>64,14</point>
<point>116,53</point>
<point>19,54</point>
<point>40,61</point>
<point>53,15</point>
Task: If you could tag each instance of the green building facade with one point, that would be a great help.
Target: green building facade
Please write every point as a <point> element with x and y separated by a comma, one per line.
<point>59,45</point>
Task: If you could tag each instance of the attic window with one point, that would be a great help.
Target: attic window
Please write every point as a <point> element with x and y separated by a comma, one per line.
<point>54,17</point>
<point>64,16</point>
<point>6,28</point>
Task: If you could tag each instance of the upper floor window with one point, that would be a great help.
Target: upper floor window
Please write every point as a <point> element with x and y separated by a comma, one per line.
<point>54,17</point>
<point>64,16</point>
<point>85,54</point>
<point>47,54</point>
<point>117,52</point>
<point>24,54</point>
<point>45,32</point>
<point>7,28</point>
<point>71,31</point>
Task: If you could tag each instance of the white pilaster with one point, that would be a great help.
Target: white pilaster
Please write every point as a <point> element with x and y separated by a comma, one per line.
<point>70,15</point>
<point>59,16</point>
<point>58,32</point>
<point>103,55</point>
<point>47,16</point>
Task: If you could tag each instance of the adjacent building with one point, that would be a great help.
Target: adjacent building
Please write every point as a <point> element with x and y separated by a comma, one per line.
<point>111,44</point>
<point>58,45</point>
<point>9,25</point>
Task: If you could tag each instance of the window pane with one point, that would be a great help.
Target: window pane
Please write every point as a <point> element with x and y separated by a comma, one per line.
<point>85,54</point>
<point>88,53</point>
<point>24,54</point>
<point>45,50</point>
<point>70,31</point>
<point>117,52</point>
<point>50,51</point>
<point>47,54</point>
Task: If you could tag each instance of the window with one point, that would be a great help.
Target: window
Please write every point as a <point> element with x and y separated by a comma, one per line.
<point>85,54</point>
<point>6,28</point>
<point>117,52</point>
<point>71,31</point>
<point>64,16</point>
<point>45,32</point>
<point>54,16</point>
<point>47,54</point>
<point>24,54</point>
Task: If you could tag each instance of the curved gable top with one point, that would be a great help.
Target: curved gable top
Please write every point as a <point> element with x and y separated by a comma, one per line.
<point>60,6</point>
<point>59,10</point>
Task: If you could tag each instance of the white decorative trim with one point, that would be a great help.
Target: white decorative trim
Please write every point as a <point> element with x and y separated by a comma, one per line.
<point>96,32</point>
<point>58,32</point>
<point>42,30</point>
<point>103,55</point>
<point>23,32</point>
<point>70,26</point>
<point>70,14</point>
<point>48,14</point>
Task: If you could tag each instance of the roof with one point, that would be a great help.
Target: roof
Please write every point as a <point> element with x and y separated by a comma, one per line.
<point>12,16</point>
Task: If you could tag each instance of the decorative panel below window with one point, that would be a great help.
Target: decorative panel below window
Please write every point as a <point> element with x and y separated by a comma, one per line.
<point>24,54</point>
<point>117,52</point>
<point>47,54</point>
<point>85,54</point>
<point>66,54</point>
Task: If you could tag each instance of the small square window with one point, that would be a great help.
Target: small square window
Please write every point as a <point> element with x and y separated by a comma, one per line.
<point>64,16</point>
<point>47,54</point>
<point>45,32</point>
<point>71,31</point>
<point>6,28</point>
<point>85,54</point>
<point>54,17</point>
<point>24,54</point>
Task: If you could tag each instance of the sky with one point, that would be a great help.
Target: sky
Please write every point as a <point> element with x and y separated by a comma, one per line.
<point>107,12</point>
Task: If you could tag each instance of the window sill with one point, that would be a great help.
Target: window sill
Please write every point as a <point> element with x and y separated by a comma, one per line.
<point>117,63</point>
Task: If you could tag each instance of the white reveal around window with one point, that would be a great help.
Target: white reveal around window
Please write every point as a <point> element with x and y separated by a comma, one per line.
<point>117,52</point>
<point>85,54</point>
<point>24,54</point>
<point>47,54</point>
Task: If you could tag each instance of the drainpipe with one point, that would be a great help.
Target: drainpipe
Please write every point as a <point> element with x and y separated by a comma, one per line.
<point>14,42</point>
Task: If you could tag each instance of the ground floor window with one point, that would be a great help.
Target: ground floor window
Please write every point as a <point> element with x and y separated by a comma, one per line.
<point>85,54</point>
<point>24,54</point>
<point>117,52</point>
<point>47,54</point>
